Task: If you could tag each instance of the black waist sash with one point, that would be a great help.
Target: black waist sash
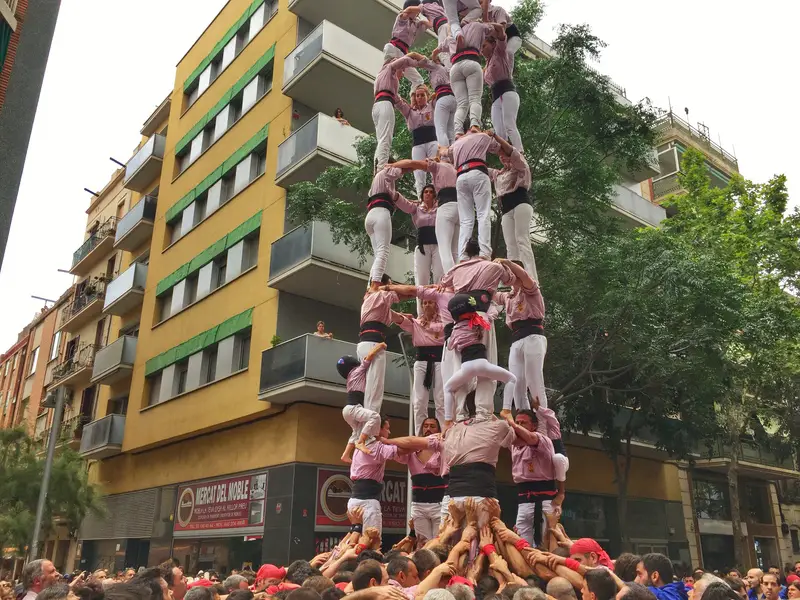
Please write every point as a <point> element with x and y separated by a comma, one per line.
<point>446,194</point>
<point>466,54</point>
<point>512,200</point>
<point>512,31</point>
<point>525,327</point>
<point>355,397</point>
<point>472,479</point>
<point>430,355</point>
<point>372,331</point>
<point>473,164</point>
<point>444,89</point>
<point>448,331</point>
<point>423,135</point>
<point>536,492</point>
<point>473,352</point>
<point>559,447</point>
<point>385,96</point>
<point>426,235</point>
<point>427,488</point>
<point>367,489</point>
<point>501,87</point>
<point>400,44</point>
<point>381,200</point>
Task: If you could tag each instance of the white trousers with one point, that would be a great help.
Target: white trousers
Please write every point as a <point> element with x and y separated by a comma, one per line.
<point>372,512</point>
<point>466,79</point>
<point>409,73</point>
<point>484,388</point>
<point>376,374</point>
<point>526,361</point>
<point>474,11</point>
<point>525,525</point>
<point>514,44</point>
<point>427,518</point>
<point>445,505</point>
<point>516,225</point>
<point>362,421</point>
<point>504,118</point>
<point>444,117</point>
<point>447,228</point>
<point>423,265</point>
<point>420,401</point>
<point>421,152</point>
<point>561,466</point>
<point>475,195</point>
<point>482,369</point>
<point>378,224</point>
<point>384,118</point>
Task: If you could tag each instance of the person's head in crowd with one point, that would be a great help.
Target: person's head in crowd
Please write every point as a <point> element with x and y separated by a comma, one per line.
<point>438,594</point>
<point>431,426</point>
<point>92,589</point>
<point>487,586</point>
<point>440,551</point>
<point>220,589</point>
<point>100,574</point>
<point>426,562</point>
<point>176,581</point>
<point>701,584</point>
<point>351,564</point>
<point>737,585</point>
<point>775,571</point>
<point>688,580</point>
<point>793,588</point>
<point>635,591</point>
<point>58,591</point>
<point>585,550</point>
<point>561,551</point>
<point>319,583</point>
<point>241,594</point>
<point>128,574</point>
<point>734,573</point>
<point>561,589</point>
<point>235,582</point>
<point>281,595</point>
<point>332,593</point>
<point>304,593</point>
<point>403,570</point>
<point>199,592</point>
<point>598,584</point>
<point>127,590</point>
<point>153,578</point>
<point>770,586</point>
<point>343,576</point>
<point>797,568</point>
<point>370,573</point>
<point>507,593</point>
<point>392,554</point>
<point>38,575</point>
<point>7,590</point>
<point>719,590</point>
<point>461,591</point>
<point>753,579</point>
<point>654,570</point>
<point>529,593</point>
<point>269,575</point>
<point>299,571</point>
<point>370,555</point>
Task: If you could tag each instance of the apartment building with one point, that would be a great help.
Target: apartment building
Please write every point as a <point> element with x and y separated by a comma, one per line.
<point>12,374</point>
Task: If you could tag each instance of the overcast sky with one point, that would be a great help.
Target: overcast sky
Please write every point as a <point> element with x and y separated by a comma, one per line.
<point>112,63</point>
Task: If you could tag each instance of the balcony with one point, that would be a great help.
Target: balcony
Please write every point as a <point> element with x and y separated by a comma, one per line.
<point>114,362</point>
<point>666,186</point>
<point>670,125</point>
<point>75,370</point>
<point>136,227</point>
<point>754,462</point>
<point>145,165</point>
<point>94,249</point>
<point>103,438</point>
<point>304,369</point>
<point>84,307</point>
<point>69,433</point>
<point>635,210</point>
<point>333,69</point>
<point>126,291</point>
<point>320,143</point>
<point>366,19</point>
<point>306,262</point>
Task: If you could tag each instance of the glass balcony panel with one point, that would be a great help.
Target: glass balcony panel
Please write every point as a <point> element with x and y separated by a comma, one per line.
<point>136,227</point>
<point>126,291</point>
<point>103,438</point>
<point>145,165</point>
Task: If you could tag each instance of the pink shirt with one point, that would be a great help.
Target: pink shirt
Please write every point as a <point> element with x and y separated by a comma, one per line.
<point>406,30</point>
<point>442,299</point>
<point>386,79</point>
<point>357,378</point>
<point>548,423</point>
<point>532,463</point>
<point>465,442</point>
<point>421,216</point>
<point>472,146</point>
<point>415,466</point>
<point>523,304</point>
<point>508,179</point>
<point>372,466</point>
<point>378,307</point>
<point>431,334</point>
<point>432,11</point>
<point>475,33</point>
<point>416,117</point>
<point>500,65</point>
<point>498,14</point>
<point>477,274</point>
<point>384,180</point>
<point>409,592</point>
<point>443,175</point>
<point>439,75</point>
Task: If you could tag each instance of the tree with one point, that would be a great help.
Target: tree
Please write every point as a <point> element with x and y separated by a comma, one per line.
<point>749,227</point>
<point>70,495</point>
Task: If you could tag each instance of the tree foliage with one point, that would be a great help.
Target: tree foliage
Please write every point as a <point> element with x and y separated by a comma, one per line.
<point>70,496</point>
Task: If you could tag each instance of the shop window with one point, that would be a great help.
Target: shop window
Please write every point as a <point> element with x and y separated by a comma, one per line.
<point>795,541</point>
<point>711,500</point>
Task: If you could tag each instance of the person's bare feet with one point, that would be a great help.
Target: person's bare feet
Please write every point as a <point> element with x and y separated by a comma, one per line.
<point>460,42</point>
<point>505,414</point>
<point>346,458</point>
<point>363,447</point>
<point>475,129</point>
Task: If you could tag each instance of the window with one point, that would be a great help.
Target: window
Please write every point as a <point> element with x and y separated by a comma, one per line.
<point>219,271</point>
<point>756,499</point>
<point>54,349</point>
<point>181,375</point>
<point>250,254</point>
<point>209,365</point>
<point>154,383</point>
<point>199,211</point>
<point>711,500</point>
<point>34,360</point>
<point>190,294</point>
<point>795,541</point>
<point>241,351</point>
<point>118,406</point>
<point>165,303</point>
<point>261,162</point>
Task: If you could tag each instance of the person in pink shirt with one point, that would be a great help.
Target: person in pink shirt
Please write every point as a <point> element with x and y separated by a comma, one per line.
<point>367,473</point>
<point>466,76</point>
<point>433,11</point>
<point>499,76</point>
<point>364,422</point>
<point>549,426</point>
<point>387,82</point>
<point>458,11</point>
<point>407,26</point>
<point>419,120</point>
<point>512,184</point>
<point>444,109</point>
<point>474,188</point>
<point>376,318</point>
<point>427,335</point>
<point>497,14</point>
<point>383,198</point>
<point>524,308</point>
<point>533,471</point>
<point>427,483</point>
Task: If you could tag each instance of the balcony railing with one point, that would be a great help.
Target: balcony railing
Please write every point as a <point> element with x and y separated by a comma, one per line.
<point>93,291</point>
<point>637,211</point>
<point>105,231</point>
<point>145,165</point>
<point>70,431</point>
<point>125,292</point>
<point>12,4</point>
<point>366,19</point>
<point>114,362</point>
<point>666,186</point>
<point>82,360</point>
<point>754,461</point>
<point>136,226</point>
<point>671,120</point>
<point>103,438</point>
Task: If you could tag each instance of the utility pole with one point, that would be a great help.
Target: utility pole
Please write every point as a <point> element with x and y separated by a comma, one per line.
<point>55,430</point>
<point>410,366</point>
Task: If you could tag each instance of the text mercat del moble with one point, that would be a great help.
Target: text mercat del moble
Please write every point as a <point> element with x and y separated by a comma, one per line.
<point>218,493</point>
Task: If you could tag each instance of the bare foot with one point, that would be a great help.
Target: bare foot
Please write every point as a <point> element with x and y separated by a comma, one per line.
<point>460,42</point>
<point>346,458</point>
<point>505,414</point>
<point>374,286</point>
<point>363,447</point>
<point>447,425</point>
<point>475,129</point>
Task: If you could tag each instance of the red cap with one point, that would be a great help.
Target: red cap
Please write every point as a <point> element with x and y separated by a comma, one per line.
<point>270,572</point>
<point>458,579</point>
<point>792,578</point>
<point>201,583</point>
<point>341,585</point>
<point>587,545</point>
<point>274,589</point>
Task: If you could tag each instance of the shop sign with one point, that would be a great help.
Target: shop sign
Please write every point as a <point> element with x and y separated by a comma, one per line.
<point>230,503</point>
<point>334,489</point>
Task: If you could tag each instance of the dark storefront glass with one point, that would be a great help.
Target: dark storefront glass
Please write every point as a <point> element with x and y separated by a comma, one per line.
<point>711,500</point>
<point>222,554</point>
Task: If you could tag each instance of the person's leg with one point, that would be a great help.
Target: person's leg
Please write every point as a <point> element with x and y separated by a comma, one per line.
<point>419,152</point>
<point>433,512</point>
<point>547,508</point>
<point>514,44</point>
<point>444,33</point>
<point>509,103</point>
<point>453,19</point>
<point>480,368</point>
<point>458,81</point>
<point>376,374</point>
<point>422,524</point>
<point>524,522</point>
<point>535,349</point>
<point>451,122</point>
<point>516,364</point>
<point>482,198</point>
<point>372,515</point>
<point>349,418</point>
<point>451,363</point>
<point>420,400</point>
<point>445,506</point>
<point>378,225</point>
<point>523,215</point>
<point>422,271</point>
<point>438,393</point>
<point>441,119</point>
<point>507,224</point>
<point>447,234</point>
<point>413,76</point>
<point>561,466</point>
<point>474,81</point>
<point>436,261</point>
<point>466,209</point>
<point>497,118</point>
<point>383,117</point>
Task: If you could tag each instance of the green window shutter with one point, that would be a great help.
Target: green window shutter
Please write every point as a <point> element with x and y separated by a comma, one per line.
<point>238,234</point>
<point>206,256</point>
<point>174,211</point>
<point>246,148</point>
<point>235,325</point>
